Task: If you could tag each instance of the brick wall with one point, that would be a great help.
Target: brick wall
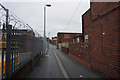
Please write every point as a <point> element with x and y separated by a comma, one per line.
<point>102,31</point>
<point>86,18</point>
<point>80,51</point>
<point>101,8</point>
<point>65,38</point>
<point>65,50</point>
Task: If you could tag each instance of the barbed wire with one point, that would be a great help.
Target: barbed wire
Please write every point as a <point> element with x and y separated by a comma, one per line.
<point>15,21</point>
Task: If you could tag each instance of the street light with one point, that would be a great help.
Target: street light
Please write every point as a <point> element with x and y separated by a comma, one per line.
<point>47,5</point>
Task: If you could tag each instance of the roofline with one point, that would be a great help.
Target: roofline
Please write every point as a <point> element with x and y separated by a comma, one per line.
<point>68,33</point>
<point>86,12</point>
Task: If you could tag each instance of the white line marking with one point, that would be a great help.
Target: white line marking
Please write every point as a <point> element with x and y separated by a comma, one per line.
<point>61,66</point>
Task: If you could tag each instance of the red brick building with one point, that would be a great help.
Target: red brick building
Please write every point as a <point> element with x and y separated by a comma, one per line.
<point>64,39</point>
<point>101,28</point>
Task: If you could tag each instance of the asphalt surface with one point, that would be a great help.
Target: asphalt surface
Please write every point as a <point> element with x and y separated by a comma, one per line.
<point>57,64</point>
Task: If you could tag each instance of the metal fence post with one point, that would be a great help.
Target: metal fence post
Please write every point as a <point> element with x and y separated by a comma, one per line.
<point>8,46</point>
<point>8,52</point>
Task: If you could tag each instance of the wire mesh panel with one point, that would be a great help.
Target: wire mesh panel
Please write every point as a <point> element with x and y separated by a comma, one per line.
<point>18,43</point>
<point>24,47</point>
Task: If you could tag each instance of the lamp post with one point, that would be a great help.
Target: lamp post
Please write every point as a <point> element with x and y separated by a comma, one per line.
<point>47,5</point>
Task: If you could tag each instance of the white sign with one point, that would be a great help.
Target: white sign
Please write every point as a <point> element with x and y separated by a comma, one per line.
<point>86,36</point>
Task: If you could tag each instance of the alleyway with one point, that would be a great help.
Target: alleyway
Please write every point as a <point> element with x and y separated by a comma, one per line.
<point>59,65</point>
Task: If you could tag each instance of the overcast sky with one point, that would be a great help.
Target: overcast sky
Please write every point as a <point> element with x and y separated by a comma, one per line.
<point>59,15</point>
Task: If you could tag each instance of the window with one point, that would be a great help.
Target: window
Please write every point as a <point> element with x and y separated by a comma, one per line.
<point>78,39</point>
<point>74,40</point>
<point>86,38</point>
